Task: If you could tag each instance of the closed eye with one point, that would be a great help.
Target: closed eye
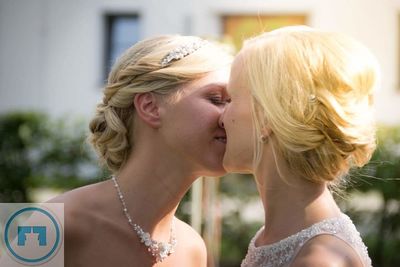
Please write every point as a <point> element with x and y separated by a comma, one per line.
<point>217,100</point>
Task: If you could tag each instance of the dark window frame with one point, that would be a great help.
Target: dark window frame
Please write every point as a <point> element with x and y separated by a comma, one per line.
<point>109,19</point>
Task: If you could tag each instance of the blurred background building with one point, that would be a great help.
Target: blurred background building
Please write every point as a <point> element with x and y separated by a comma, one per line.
<point>54,54</point>
<point>54,60</point>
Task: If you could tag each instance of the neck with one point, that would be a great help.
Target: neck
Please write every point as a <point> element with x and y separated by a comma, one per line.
<point>293,205</point>
<point>152,187</point>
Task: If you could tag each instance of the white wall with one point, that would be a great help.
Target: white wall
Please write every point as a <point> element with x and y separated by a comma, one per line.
<point>21,52</point>
<point>51,50</point>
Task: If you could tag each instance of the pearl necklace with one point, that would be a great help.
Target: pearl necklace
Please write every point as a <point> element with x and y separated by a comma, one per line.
<point>159,250</point>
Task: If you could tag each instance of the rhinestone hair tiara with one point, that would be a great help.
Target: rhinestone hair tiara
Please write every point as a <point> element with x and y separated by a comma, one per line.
<point>182,51</point>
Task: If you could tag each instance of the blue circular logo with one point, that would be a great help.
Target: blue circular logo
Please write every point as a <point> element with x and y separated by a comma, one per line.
<point>33,254</point>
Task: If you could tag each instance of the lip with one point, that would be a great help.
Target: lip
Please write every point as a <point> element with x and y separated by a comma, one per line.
<point>220,135</point>
<point>221,138</point>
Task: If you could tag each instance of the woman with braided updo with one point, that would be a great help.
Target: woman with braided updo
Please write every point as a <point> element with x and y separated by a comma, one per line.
<point>300,117</point>
<point>157,131</point>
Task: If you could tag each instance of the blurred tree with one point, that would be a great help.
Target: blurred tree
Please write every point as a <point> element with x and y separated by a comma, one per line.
<point>65,160</point>
<point>19,133</point>
<point>39,152</point>
<point>382,175</point>
<point>237,191</point>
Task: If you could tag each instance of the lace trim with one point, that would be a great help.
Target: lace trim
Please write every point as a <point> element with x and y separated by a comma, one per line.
<point>280,253</point>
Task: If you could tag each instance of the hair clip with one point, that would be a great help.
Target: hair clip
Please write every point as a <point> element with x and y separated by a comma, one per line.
<point>182,51</point>
<point>312,98</point>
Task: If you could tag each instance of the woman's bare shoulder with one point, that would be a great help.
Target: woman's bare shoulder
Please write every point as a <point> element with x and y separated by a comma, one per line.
<point>327,251</point>
<point>193,243</point>
<point>70,197</point>
<point>79,211</point>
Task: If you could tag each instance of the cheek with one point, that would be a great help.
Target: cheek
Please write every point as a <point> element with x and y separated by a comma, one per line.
<point>206,114</point>
<point>200,122</point>
<point>233,122</point>
<point>228,117</point>
<point>207,119</point>
<point>239,129</point>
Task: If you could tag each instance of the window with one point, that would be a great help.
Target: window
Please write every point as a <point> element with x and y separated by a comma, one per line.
<point>237,28</point>
<point>121,32</point>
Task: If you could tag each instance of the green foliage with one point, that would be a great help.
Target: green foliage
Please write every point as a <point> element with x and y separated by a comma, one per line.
<point>66,160</point>
<point>19,133</point>
<point>37,151</point>
<point>381,175</point>
<point>383,171</point>
<point>236,233</point>
<point>235,239</point>
<point>183,211</point>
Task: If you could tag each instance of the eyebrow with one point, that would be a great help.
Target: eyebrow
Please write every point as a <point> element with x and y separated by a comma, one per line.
<point>211,85</point>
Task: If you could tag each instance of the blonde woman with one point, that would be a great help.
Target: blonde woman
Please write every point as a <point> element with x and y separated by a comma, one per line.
<point>157,131</point>
<point>300,117</point>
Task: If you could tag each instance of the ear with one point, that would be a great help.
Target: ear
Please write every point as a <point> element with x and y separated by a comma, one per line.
<point>265,134</point>
<point>147,108</point>
<point>266,131</point>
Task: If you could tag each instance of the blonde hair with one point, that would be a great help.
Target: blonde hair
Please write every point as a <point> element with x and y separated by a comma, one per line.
<point>139,70</point>
<point>313,89</point>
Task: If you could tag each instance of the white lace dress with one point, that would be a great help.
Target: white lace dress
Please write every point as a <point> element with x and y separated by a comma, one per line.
<point>282,253</point>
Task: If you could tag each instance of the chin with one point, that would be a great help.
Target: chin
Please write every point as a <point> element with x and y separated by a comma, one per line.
<point>215,166</point>
<point>217,172</point>
<point>212,169</point>
<point>212,173</point>
<point>235,166</point>
<point>229,166</point>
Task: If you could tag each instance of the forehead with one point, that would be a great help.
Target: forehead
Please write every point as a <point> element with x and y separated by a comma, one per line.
<point>219,76</point>
<point>216,80</point>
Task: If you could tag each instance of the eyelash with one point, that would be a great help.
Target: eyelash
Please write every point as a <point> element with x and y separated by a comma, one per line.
<point>219,101</point>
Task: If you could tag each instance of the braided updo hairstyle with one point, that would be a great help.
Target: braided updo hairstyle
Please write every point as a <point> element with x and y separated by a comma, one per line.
<point>314,90</point>
<point>140,70</point>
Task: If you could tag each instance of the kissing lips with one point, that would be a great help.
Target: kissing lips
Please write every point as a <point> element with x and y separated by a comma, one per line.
<point>221,139</point>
